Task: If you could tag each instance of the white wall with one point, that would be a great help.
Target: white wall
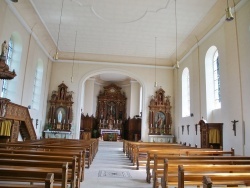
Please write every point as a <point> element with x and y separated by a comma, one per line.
<point>234,88</point>
<point>144,75</point>
<point>31,52</point>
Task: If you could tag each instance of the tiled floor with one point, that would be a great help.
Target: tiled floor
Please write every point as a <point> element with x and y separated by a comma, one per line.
<point>111,169</point>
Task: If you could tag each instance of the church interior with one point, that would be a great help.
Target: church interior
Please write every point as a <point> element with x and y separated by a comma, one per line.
<point>157,72</point>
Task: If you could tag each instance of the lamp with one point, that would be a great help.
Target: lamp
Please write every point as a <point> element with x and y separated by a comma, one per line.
<point>56,55</point>
<point>229,15</point>
<point>73,60</point>
<point>155,85</point>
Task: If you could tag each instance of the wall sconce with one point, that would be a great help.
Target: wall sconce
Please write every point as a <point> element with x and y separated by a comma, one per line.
<point>182,129</point>
<point>188,129</point>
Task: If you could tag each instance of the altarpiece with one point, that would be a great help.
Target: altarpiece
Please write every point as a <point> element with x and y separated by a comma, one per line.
<point>60,114</point>
<point>160,119</point>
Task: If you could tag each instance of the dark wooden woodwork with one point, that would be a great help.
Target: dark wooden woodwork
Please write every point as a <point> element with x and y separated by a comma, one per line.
<point>88,126</point>
<point>206,130</point>
<point>60,114</point>
<point>160,119</point>
<point>18,115</point>
<point>111,106</point>
<point>132,129</point>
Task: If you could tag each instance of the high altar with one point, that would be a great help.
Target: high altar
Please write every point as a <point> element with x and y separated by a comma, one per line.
<point>111,109</point>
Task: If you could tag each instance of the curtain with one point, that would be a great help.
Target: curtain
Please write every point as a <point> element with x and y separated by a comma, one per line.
<point>214,136</point>
<point>5,128</point>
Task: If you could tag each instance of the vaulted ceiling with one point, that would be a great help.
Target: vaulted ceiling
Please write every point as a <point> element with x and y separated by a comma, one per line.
<point>120,31</point>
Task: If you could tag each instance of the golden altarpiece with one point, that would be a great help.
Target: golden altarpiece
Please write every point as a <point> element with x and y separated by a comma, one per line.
<point>160,119</point>
<point>60,113</point>
<point>111,109</point>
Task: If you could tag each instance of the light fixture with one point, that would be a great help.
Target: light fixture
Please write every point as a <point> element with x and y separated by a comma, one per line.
<point>177,65</point>
<point>72,73</point>
<point>155,85</point>
<point>56,55</point>
<point>14,1</point>
<point>229,15</point>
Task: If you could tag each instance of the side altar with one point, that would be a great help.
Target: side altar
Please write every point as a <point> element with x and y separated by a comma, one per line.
<point>60,113</point>
<point>160,119</point>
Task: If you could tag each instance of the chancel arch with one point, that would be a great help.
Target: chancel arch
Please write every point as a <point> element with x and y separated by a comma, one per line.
<point>82,99</point>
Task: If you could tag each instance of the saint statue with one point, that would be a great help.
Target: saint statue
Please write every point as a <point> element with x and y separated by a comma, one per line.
<point>4,49</point>
<point>59,117</point>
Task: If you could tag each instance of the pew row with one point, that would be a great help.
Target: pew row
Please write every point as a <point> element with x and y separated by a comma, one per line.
<point>191,175</point>
<point>48,183</point>
<point>34,175</point>
<point>207,182</point>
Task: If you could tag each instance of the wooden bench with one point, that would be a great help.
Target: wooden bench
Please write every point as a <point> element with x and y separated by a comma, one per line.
<point>207,182</point>
<point>41,160</point>
<point>162,171</point>
<point>34,174</point>
<point>155,160</point>
<point>191,175</point>
<point>48,183</point>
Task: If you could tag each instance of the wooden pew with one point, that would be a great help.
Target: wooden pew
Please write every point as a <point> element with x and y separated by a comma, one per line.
<point>89,146</point>
<point>156,158</point>
<point>46,164</point>
<point>41,160</point>
<point>162,172</point>
<point>192,174</point>
<point>139,152</point>
<point>207,182</point>
<point>34,174</point>
<point>48,183</point>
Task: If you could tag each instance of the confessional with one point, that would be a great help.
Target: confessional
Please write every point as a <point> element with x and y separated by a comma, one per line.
<point>211,134</point>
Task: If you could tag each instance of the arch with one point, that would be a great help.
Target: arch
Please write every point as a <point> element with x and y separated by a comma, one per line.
<point>109,70</point>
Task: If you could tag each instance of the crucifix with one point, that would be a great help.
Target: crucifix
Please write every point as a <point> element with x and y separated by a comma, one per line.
<point>234,126</point>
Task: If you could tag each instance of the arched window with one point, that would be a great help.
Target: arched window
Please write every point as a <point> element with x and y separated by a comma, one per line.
<point>38,80</point>
<point>185,93</point>
<point>11,88</point>
<point>212,66</point>
<point>8,61</point>
<point>216,78</point>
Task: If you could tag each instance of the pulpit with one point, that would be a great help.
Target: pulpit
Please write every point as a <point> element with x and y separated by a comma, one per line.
<point>60,112</point>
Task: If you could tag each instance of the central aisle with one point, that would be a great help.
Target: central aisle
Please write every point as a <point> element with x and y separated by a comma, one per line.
<point>112,169</point>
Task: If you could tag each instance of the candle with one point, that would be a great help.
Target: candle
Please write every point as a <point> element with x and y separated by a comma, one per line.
<point>54,120</point>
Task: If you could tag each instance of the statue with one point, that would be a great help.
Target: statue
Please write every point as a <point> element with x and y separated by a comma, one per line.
<point>59,117</point>
<point>4,50</point>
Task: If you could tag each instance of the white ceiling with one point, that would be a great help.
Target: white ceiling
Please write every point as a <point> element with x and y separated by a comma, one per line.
<point>121,30</point>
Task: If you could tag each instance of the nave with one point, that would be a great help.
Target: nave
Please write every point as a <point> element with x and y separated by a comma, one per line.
<point>111,169</point>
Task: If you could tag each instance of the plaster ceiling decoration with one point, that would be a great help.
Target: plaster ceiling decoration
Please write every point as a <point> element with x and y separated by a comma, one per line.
<point>121,31</point>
